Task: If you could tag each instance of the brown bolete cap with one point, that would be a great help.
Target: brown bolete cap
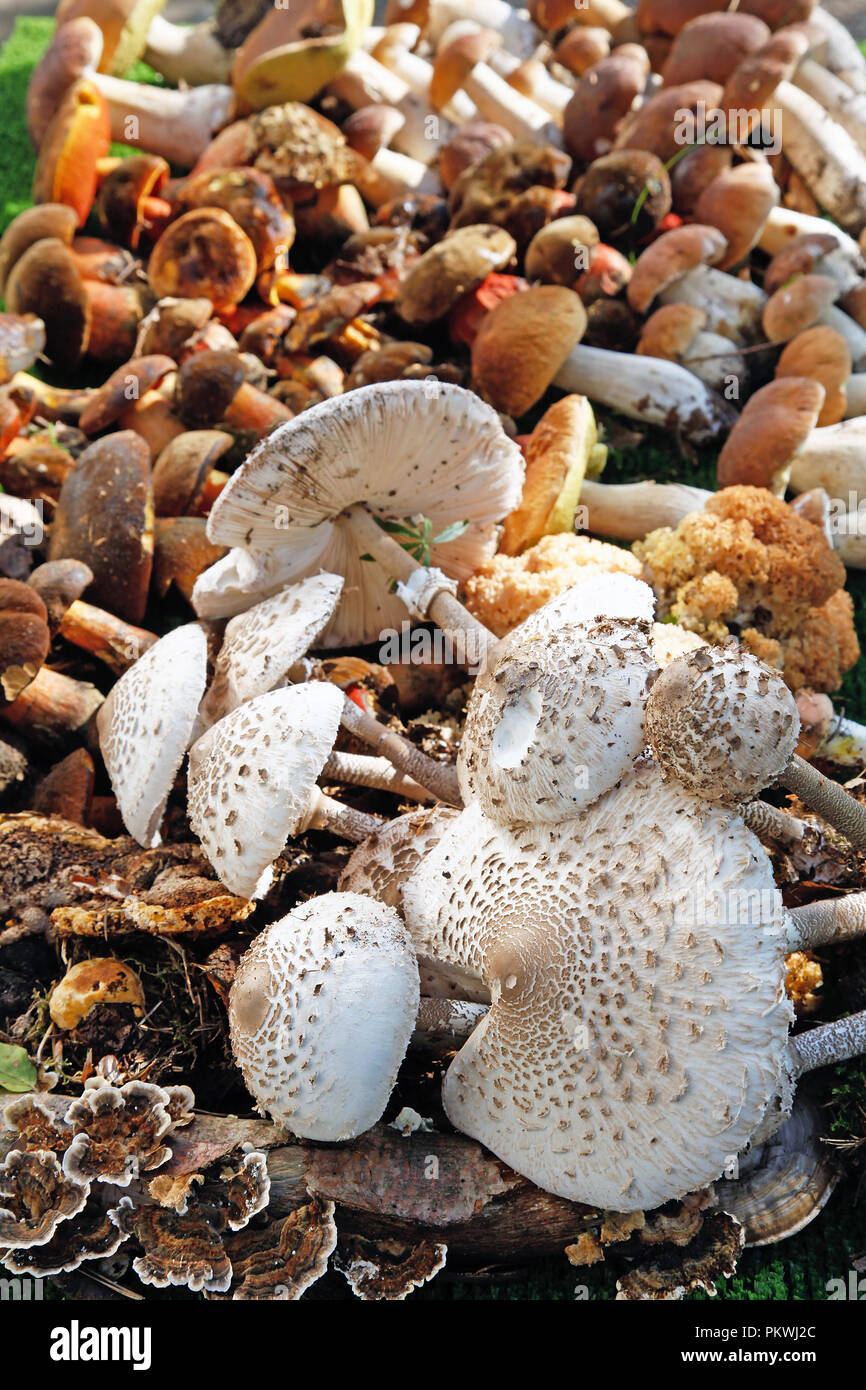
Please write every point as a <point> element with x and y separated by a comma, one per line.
<point>609,191</point>
<point>207,383</point>
<point>204,254</point>
<point>738,202</point>
<point>602,99</point>
<point>45,281</point>
<point>711,46</point>
<point>455,265</point>
<point>59,583</point>
<point>751,85</point>
<point>24,638</point>
<point>47,221</point>
<point>559,252</point>
<point>522,343</point>
<point>75,49</point>
<point>455,60</point>
<point>670,331</point>
<point>129,383</point>
<point>123,193</point>
<point>694,172</point>
<point>181,553</point>
<point>657,124</point>
<point>581,47</point>
<point>372,128</point>
<point>800,256</point>
<point>250,197</point>
<point>670,258</point>
<point>104,517</point>
<point>774,424</point>
<point>472,143</point>
<point>182,470</point>
<point>798,305</point>
<point>822,354</point>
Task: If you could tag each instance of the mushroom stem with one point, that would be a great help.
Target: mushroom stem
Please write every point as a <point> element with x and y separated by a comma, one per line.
<point>326,813</point>
<point>771,823</point>
<point>733,307</point>
<point>119,644</point>
<point>646,388</point>
<point>366,82</point>
<point>497,101</point>
<point>438,778</point>
<point>827,799</point>
<point>828,160</point>
<point>417,73</point>
<point>357,770</point>
<point>177,125</point>
<point>514,26</point>
<point>52,707</point>
<point>833,458</point>
<point>189,54</point>
<point>629,511</point>
<point>837,98</point>
<point>783,224</point>
<point>473,640</point>
<point>842,55</point>
<point>832,1042</point>
<point>827,921</point>
<point>445,1023</point>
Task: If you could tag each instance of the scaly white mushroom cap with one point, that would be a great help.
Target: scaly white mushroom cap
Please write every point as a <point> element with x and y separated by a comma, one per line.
<point>406,449</point>
<point>251,777</point>
<point>146,723</point>
<point>635,958</point>
<point>261,645</point>
<point>321,1012</point>
<point>557,716</point>
<point>723,723</point>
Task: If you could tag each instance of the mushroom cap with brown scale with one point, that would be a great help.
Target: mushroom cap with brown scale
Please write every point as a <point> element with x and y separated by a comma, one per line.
<point>721,722</point>
<point>774,424</point>
<point>636,1032</point>
<point>522,343</point>
<point>321,1012</point>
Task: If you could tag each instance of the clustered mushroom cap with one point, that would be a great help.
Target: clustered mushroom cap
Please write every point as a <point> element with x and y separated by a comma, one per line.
<point>636,1032</point>
<point>722,723</point>
<point>401,447</point>
<point>251,777</point>
<point>321,1012</point>
<point>145,725</point>
<point>557,716</point>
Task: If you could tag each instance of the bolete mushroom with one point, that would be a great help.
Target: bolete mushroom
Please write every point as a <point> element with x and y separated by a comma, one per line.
<point>204,254</point>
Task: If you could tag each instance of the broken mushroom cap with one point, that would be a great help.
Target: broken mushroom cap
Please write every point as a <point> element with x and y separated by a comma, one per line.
<point>252,778</point>
<point>455,265</point>
<point>97,980</point>
<point>560,452</point>
<point>400,447</point>
<point>636,1034</point>
<point>522,343</point>
<point>556,718</point>
<point>321,1011</point>
<point>721,722</point>
<point>261,645</point>
<point>146,723</point>
<point>25,640</point>
<point>204,254</point>
<point>774,424</point>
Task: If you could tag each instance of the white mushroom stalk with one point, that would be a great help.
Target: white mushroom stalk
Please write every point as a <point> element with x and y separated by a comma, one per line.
<point>395,54</point>
<point>365,82</point>
<point>439,779</point>
<point>496,100</point>
<point>358,770</point>
<point>784,224</point>
<point>187,54</point>
<point>646,388</point>
<point>834,458</point>
<point>252,783</point>
<point>179,125</point>
<point>629,511</point>
<point>829,161</point>
<point>842,54</point>
<point>517,31</point>
<point>733,306</point>
<point>726,726</point>
<point>838,99</point>
<point>553,96</point>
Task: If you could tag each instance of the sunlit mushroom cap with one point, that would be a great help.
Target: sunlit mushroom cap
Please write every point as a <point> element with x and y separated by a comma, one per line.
<point>635,961</point>
<point>406,449</point>
<point>557,716</point>
<point>251,777</point>
<point>146,723</point>
<point>321,1012</point>
<point>261,644</point>
<point>723,723</point>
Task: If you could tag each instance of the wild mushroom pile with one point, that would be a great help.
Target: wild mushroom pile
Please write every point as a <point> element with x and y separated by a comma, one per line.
<point>362,668</point>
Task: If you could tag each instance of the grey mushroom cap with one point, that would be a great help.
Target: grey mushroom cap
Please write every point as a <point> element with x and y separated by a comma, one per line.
<point>723,723</point>
<point>321,1012</point>
<point>635,960</point>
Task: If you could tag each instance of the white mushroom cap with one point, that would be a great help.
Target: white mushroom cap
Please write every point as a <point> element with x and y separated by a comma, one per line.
<point>405,449</point>
<point>252,776</point>
<point>321,1012</point>
<point>635,961</point>
<point>240,579</point>
<point>557,716</point>
<point>723,723</point>
<point>262,644</point>
<point>600,594</point>
<point>146,723</point>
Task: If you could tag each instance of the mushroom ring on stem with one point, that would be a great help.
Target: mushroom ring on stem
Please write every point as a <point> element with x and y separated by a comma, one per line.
<point>726,726</point>
<point>638,1029</point>
<point>325,490</point>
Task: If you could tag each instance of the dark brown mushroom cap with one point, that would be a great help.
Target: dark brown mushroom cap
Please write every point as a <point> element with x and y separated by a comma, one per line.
<point>129,383</point>
<point>610,190</point>
<point>45,281</point>
<point>105,518</point>
<point>372,128</point>
<point>182,552</point>
<point>451,268</point>
<point>800,256</point>
<point>46,221</point>
<point>58,584</point>
<point>251,198</point>
<point>183,468</point>
<point>35,1196</point>
<point>602,99</point>
<point>123,191</point>
<point>207,383</point>
<point>204,254</point>
<point>712,46</point>
<point>657,125</point>
<point>24,637</point>
<point>172,325</point>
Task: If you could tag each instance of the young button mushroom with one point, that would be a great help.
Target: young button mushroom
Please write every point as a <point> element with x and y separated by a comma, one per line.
<point>212,389</point>
<point>460,65</point>
<point>145,726</point>
<point>252,783</point>
<point>321,1012</point>
<point>677,332</point>
<point>726,726</point>
<point>379,455</point>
